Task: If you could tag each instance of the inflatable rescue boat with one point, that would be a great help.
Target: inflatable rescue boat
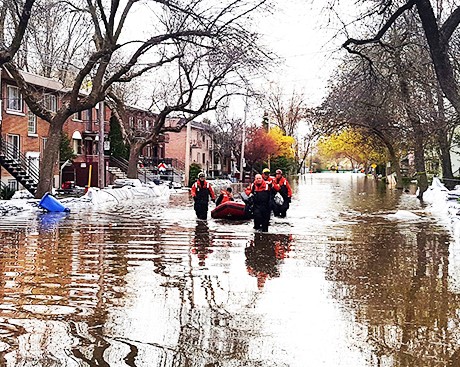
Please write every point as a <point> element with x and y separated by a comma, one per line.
<point>230,210</point>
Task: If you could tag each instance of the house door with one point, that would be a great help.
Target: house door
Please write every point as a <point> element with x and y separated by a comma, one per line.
<point>33,163</point>
<point>13,145</point>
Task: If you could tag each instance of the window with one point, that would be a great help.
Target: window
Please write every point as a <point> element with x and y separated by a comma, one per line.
<point>14,102</point>
<point>13,184</point>
<point>50,102</point>
<point>147,124</point>
<point>81,115</point>
<point>14,145</point>
<point>77,146</point>
<point>131,122</point>
<point>139,124</point>
<point>204,158</point>
<point>32,123</point>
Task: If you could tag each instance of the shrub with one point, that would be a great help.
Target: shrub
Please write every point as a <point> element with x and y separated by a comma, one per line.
<point>6,193</point>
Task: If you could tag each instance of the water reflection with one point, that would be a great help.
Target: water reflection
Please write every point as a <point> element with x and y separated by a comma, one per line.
<point>396,283</point>
<point>328,286</point>
<point>202,242</point>
<point>264,254</point>
<point>48,222</point>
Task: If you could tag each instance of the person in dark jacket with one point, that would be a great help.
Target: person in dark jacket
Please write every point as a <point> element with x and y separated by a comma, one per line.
<point>260,191</point>
<point>201,192</point>
<point>281,185</point>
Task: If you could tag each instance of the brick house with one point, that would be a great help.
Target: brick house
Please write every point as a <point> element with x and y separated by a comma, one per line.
<point>25,134</point>
<point>141,122</point>
<point>193,144</point>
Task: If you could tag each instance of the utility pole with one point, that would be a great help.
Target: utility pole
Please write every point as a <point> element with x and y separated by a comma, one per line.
<point>101,161</point>
<point>243,138</point>
<point>187,152</point>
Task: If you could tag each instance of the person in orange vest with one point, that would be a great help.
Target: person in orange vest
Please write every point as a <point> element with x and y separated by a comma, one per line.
<point>260,191</point>
<point>201,192</point>
<point>225,195</point>
<point>266,175</point>
<point>281,185</point>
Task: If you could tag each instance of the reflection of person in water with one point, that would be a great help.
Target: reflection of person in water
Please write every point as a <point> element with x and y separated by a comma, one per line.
<point>264,254</point>
<point>201,242</point>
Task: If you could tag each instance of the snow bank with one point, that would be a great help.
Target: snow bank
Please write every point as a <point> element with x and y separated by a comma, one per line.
<point>403,215</point>
<point>115,196</point>
<point>93,198</point>
<point>445,204</point>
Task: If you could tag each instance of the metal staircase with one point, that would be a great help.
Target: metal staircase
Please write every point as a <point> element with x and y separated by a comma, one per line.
<point>19,166</point>
<point>119,166</point>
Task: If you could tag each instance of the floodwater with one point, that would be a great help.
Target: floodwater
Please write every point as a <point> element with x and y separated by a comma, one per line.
<point>340,282</point>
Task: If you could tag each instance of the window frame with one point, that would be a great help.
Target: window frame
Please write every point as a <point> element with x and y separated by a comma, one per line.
<point>30,115</point>
<point>50,102</point>
<point>15,99</point>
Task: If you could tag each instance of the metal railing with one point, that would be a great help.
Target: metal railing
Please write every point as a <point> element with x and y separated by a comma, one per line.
<point>10,152</point>
<point>171,162</point>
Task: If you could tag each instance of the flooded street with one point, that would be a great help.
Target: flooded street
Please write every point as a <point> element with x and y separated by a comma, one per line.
<point>340,282</point>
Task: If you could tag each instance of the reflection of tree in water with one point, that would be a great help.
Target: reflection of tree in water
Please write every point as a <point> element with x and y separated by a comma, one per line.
<point>88,267</point>
<point>396,282</point>
<point>264,254</point>
<point>70,268</point>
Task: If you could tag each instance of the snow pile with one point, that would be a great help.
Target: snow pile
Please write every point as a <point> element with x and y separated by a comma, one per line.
<point>93,198</point>
<point>446,205</point>
<point>16,207</point>
<point>439,197</point>
<point>126,193</point>
<point>403,215</point>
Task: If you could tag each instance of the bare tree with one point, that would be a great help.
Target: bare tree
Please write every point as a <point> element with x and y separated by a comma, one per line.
<point>419,82</point>
<point>115,58</point>
<point>14,18</point>
<point>57,39</point>
<point>438,31</point>
<point>286,112</point>
<point>227,136</point>
<point>366,99</point>
<point>199,81</point>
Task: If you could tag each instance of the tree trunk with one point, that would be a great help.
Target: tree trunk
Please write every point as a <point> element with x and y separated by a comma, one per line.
<point>134,151</point>
<point>394,159</point>
<point>439,50</point>
<point>49,159</point>
<point>446,163</point>
<point>395,166</point>
<point>419,158</point>
<point>417,131</point>
<point>444,144</point>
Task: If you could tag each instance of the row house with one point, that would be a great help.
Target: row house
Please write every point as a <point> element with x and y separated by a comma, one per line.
<point>141,122</point>
<point>193,144</point>
<point>23,135</point>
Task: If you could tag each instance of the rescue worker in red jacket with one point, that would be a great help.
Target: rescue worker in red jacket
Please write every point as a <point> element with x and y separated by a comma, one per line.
<point>201,191</point>
<point>225,195</point>
<point>281,185</point>
<point>260,191</point>
<point>266,175</point>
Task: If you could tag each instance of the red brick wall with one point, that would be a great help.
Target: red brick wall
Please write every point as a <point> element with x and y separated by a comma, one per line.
<point>175,148</point>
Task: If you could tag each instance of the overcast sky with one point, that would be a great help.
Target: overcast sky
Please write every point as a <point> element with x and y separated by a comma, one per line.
<point>302,34</point>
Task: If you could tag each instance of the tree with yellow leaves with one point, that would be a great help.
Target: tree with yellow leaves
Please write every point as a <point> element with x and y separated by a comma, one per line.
<point>352,144</point>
